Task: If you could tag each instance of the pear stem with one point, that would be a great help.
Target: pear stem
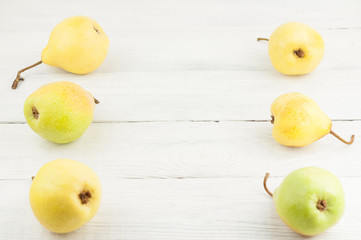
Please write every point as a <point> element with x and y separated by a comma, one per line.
<point>342,140</point>
<point>96,100</point>
<point>265,185</point>
<point>19,78</point>
<point>262,39</point>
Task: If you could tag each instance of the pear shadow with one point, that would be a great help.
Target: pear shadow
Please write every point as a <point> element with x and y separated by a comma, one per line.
<point>283,77</point>
<point>76,234</point>
<point>272,226</point>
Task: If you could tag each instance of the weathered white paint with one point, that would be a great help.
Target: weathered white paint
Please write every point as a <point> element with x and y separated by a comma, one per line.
<point>173,140</point>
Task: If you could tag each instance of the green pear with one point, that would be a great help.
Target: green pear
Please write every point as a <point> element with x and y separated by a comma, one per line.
<point>298,121</point>
<point>77,44</point>
<point>60,112</point>
<point>309,200</point>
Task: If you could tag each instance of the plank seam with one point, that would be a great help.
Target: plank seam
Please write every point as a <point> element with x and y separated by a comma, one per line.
<point>179,121</point>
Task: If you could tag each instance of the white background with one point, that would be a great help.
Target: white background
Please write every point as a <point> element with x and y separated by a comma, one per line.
<point>182,139</point>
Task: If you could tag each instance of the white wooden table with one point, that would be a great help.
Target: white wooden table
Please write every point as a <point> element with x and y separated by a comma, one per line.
<point>182,139</point>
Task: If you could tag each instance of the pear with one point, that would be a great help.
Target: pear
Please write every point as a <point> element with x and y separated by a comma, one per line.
<point>298,121</point>
<point>309,200</point>
<point>295,48</point>
<point>60,112</point>
<point>64,195</point>
<point>77,44</point>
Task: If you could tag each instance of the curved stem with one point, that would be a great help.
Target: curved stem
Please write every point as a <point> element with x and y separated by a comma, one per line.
<point>96,100</point>
<point>262,39</point>
<point>341,139</point>
<point>265,185</point>
<point>19,78</point>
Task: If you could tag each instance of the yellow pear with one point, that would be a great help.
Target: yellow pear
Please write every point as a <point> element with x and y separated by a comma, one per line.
<point>59,112</point>
<point>64,195</point>
<point>77,44</point>
<point>298,121</point>
<point>295,48</point>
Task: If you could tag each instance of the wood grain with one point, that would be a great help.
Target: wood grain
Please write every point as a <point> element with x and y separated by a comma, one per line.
<point>200,95</point>
<point>180,150</point>
<point>175,209</point>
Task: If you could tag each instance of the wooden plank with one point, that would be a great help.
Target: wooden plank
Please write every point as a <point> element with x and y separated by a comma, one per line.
<point>224,209</point>
<point>200,95</point>
<point>138,15</point>
<point>229,48</point>
<point>179,150</point>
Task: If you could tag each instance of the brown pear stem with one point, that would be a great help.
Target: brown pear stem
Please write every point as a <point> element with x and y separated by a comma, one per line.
<point>96,100</point>
<point>262,39</point>
<point>265,185</point>
<point>342,140</point>
<point>32,178</point>
<point>19,78</point>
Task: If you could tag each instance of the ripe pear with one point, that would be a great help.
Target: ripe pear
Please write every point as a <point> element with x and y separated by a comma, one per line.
<point>64,195</point>
<point>298,121</point>
<point>295,48</point>
<point>60,112</point>
<point>77,44</point>
<point>309,200</point>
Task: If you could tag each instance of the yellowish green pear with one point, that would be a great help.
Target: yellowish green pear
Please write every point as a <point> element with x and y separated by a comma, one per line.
<point>309,200</point>
<point>64,195</point>
<point>60,112</point>
<point>298,121</point>
<point>77,44</point>
<point>295,48</point>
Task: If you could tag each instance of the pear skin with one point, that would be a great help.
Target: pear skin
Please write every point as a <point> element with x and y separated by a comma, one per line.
<point>64,195</point>
<point>299,121</point>
<point>309,200</point>
<point>295,48</point>
<point>77,44</point>
<point>60,112</point>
